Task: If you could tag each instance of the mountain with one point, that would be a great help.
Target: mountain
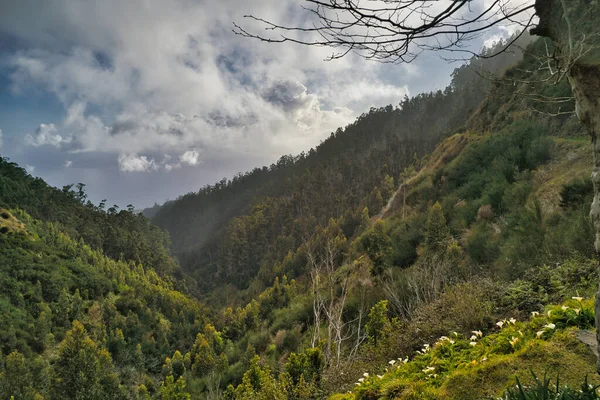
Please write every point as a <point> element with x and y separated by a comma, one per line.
<point>439,249</point>
<point>236,231</point>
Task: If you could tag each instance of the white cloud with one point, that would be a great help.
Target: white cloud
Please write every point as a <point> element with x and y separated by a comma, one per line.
<point>170,167</point>
<point>68,164</point>
<point>29,168</point>
<point>135,163</point>
<point>131,89</point>
<point>190,157</point>
<point>45,134</point>
<point>139,79</point>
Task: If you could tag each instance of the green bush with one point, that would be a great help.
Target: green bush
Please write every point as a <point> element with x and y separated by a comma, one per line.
<point>482,245</point>
<point>575,193</point>
<point>543,389</point>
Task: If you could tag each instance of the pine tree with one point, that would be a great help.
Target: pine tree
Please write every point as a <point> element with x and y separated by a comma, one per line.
<point>173,390</point>
<point>377,321</point>
<point>83,371</point>
<point>437,233</point>
<point>15,381</point>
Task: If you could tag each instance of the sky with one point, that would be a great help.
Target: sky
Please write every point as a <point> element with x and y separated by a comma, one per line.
<point>145,100</point>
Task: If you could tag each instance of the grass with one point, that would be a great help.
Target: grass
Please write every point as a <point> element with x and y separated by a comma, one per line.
<point>486,365</point>
<point>9,224</point>
<point>571,160</point>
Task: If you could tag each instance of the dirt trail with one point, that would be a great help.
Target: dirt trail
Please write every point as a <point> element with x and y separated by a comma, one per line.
<point>387,207</point>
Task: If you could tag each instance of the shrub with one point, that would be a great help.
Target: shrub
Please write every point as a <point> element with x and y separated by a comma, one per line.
<point>482,245</point>
<point>543,389</point>
<point>485,212</point>
<point>574,193</point>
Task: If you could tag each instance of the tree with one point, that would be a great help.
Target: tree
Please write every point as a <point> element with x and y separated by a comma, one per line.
<point>377,321</point>
<point>437,233</point>
<point>173,390</point>
<point>394,31</point>
<point>397,31</point>
<point>83,371</point>
<point>15,381</point>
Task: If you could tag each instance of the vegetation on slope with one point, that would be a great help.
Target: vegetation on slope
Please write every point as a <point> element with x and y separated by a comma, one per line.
<point>311,284</point>
<point>235,233</point>
<point>485,364</point>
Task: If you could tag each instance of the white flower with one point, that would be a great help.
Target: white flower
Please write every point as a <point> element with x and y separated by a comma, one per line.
<point>429,369</point>
<point>484,359</point>
<point>473,337</point>
<point>577,310</point>
<point>451,341</point>
<point>478,333</point>
<point>455,334</point>
<point>512,321</point>
<point>550,326</point>
<point>539,333</point>
<point>473,343</point>
<point>514,341</point>
<point>380,376</point>
<point>500,323</point>
<point>520,333</point>
<point>405,360</point>
<point>361,380</point>
<point>357,383</point>
<point>564,308</point>
<point>549,313</point>
<point>577,298</point>
<point>443,338</point>
<point>392,362</point>
<point>366,374</point>
<point>535,313</point>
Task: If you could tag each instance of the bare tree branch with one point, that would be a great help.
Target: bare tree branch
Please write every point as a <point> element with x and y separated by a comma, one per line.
<point>395,31</point>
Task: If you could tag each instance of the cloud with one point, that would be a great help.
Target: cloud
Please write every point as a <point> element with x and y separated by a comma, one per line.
<point>68,164</point>
<point>46,134</point>
<point>141,79</point>
<point>190,157</point>
<point>29,168</point>
<point>135,163</point>
<point>187,82</point>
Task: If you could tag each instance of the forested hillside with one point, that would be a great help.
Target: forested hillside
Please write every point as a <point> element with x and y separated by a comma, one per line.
<point>438,249</point>
<point>237,231</point>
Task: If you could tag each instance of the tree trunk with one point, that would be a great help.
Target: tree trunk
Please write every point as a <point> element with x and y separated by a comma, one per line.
<point>585,82</point>
<point>574,26</point>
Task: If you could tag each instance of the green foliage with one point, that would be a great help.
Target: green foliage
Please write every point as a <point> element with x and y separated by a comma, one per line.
<point>119,234</point>
<point>478,239</point>
<point>546,390</point>
<point>173,390</point>
<point>482,243</point>
<point>457,366</point>
<point>437,233</point>
<point>378,246</point>
<point>487,168</point>
<point>16,379</point>
<point>82,370</point>
<point>377,321</point>
<point>577,193</point>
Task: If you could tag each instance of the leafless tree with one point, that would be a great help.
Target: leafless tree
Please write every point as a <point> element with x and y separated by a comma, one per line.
<point>393,31</point>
